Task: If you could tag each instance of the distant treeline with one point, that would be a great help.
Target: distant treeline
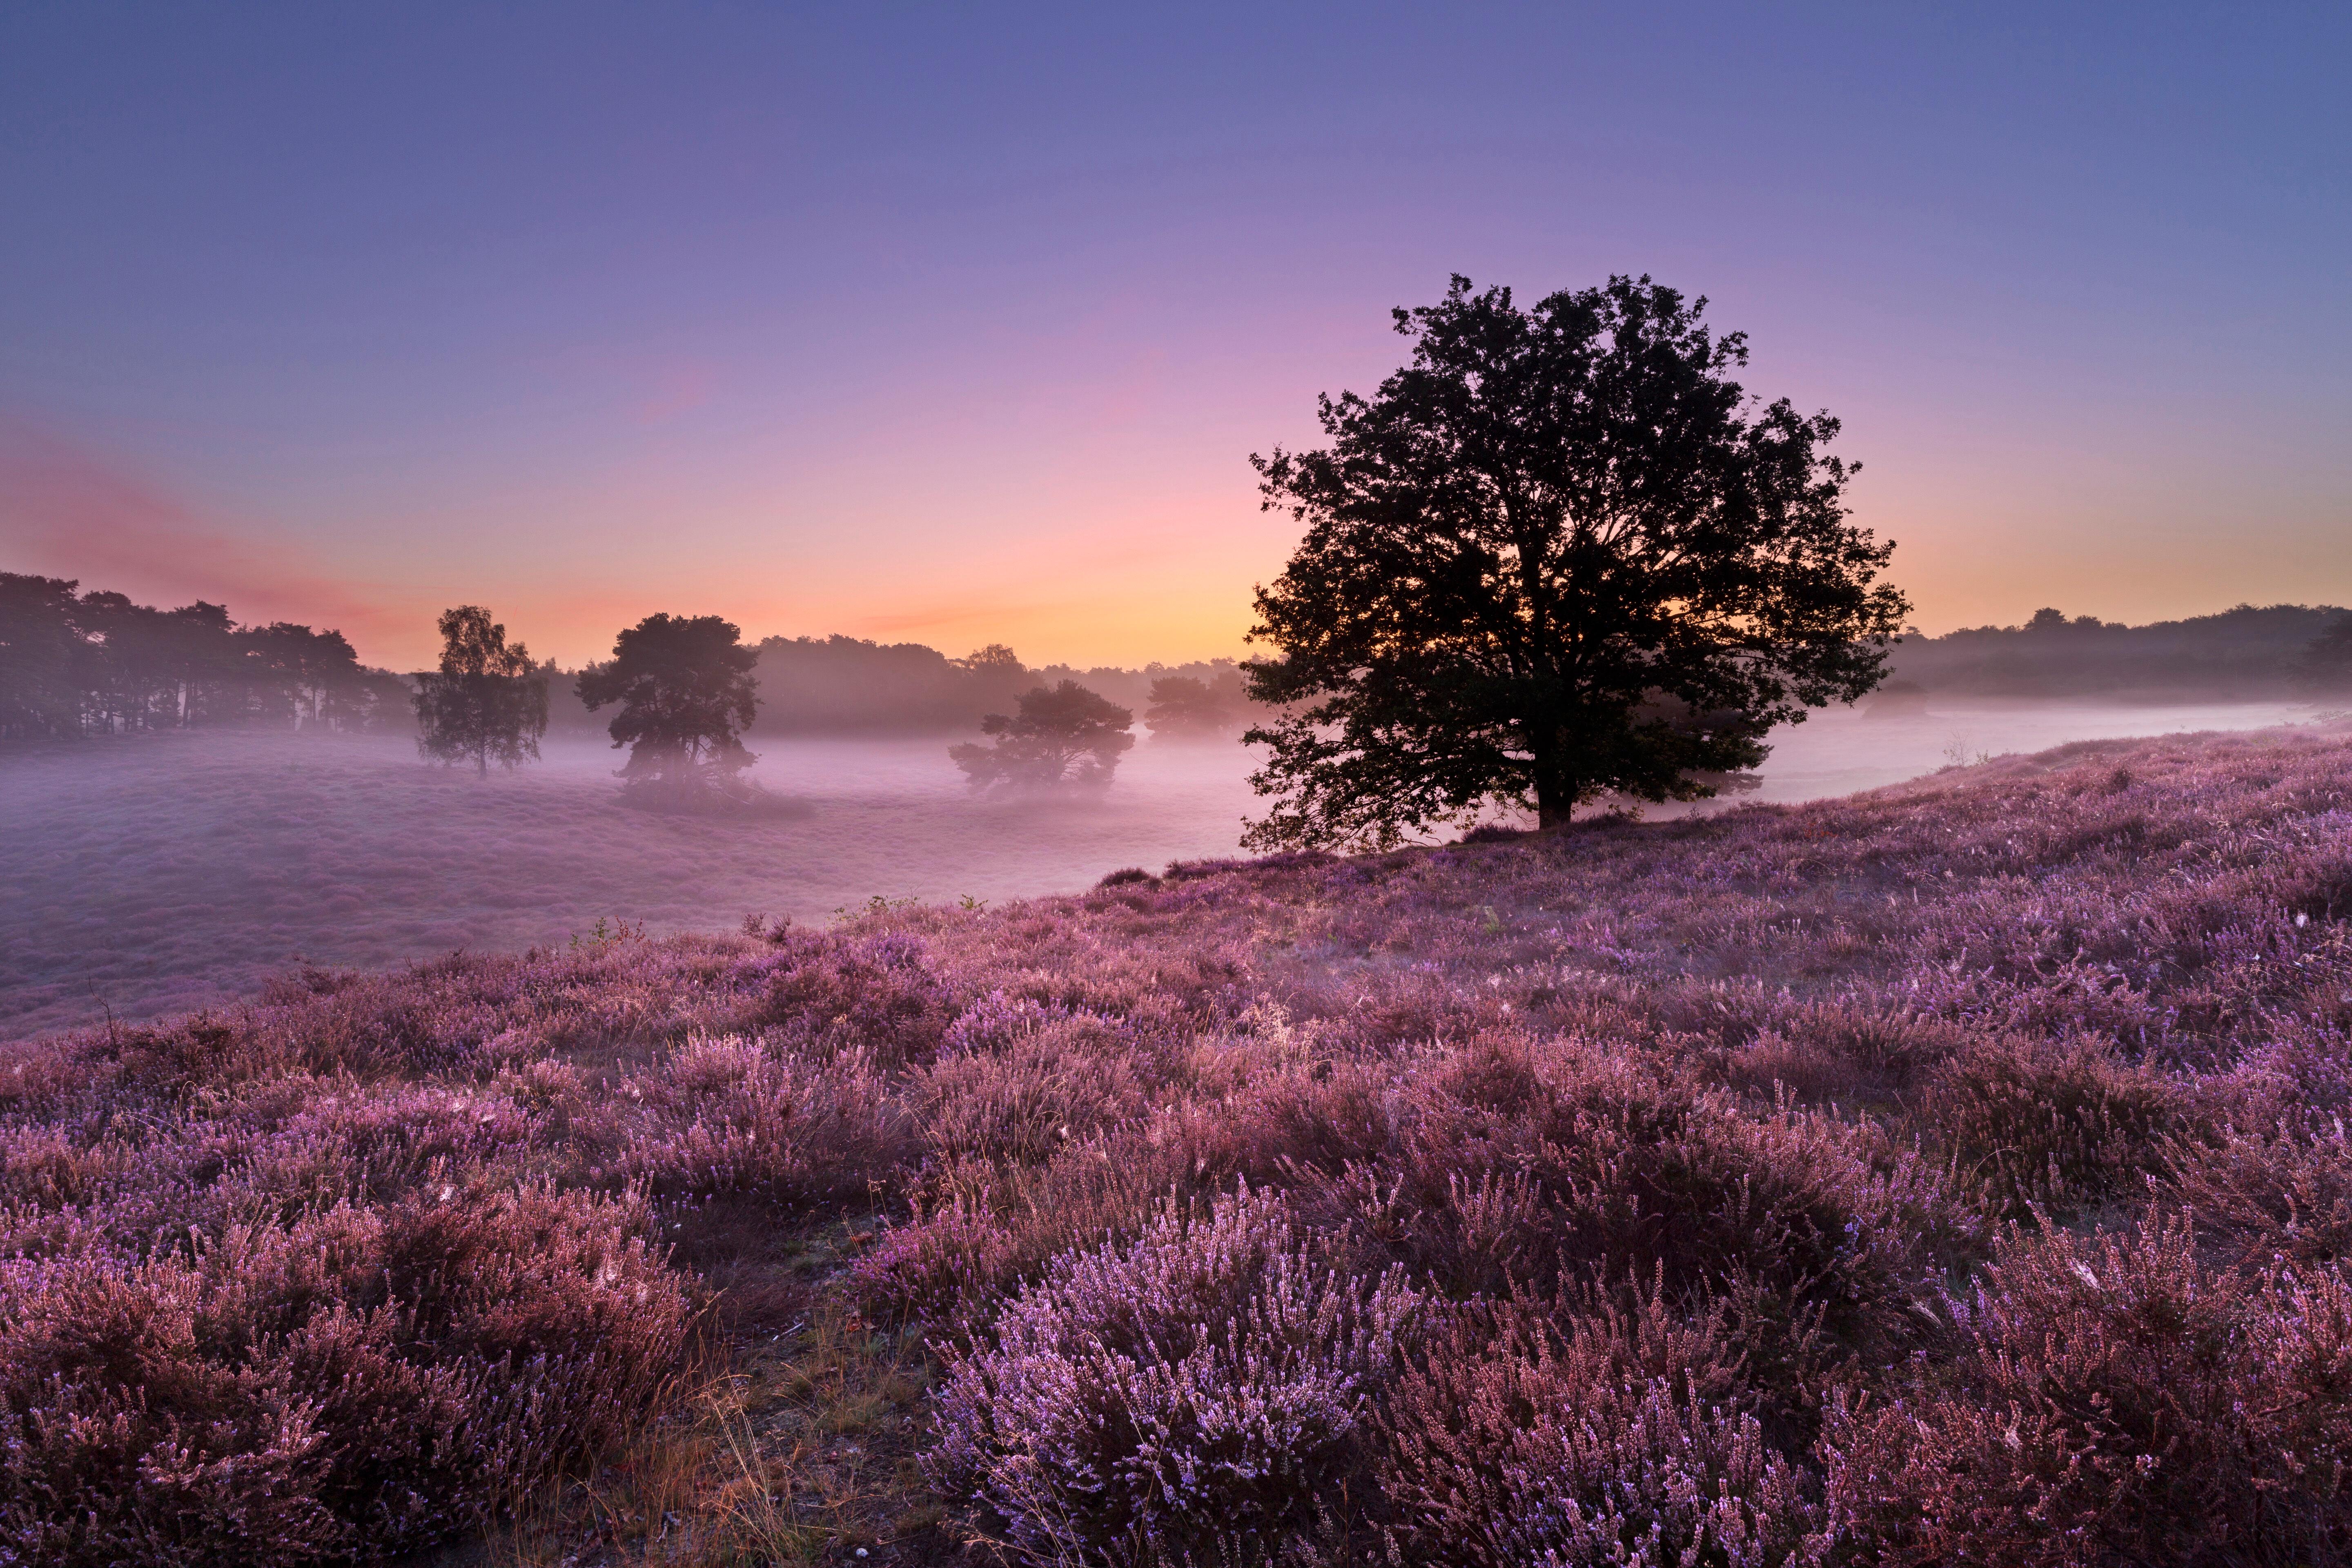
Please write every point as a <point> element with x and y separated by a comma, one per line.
<point>2249,652</point>
<point>75,664</point>
<point>846,686</point>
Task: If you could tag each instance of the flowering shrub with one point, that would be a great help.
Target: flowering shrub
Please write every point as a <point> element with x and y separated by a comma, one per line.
<point>357,1383</point>
<point>2060,1125</point>
<point>1560,1165</point>
<point>1069,1079</point>
<point>733,1116</point>
<point>1198,1391</point>
<point>2116,1402</point>
<point>2284,1195</point>
<point>1587,1432</point>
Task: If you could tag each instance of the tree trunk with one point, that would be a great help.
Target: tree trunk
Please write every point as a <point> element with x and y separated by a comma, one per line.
<point>1555,797</point>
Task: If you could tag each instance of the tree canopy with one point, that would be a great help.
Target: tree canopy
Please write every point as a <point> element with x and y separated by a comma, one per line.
<point>686,693</point>
<point>1560,554</point>
<point>2327,662</point>
<point>1064,734</point>
<point>1184,707</point>
<point>487,702</point>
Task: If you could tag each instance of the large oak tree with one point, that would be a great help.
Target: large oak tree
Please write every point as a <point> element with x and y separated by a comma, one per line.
<point>1561,553</point>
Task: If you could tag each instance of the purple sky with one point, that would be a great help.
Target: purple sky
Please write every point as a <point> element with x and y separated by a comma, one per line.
<point>958,325</point>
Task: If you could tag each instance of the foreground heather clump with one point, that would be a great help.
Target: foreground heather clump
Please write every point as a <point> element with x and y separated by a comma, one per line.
<point>1952,1173</point>
<point>1198,1391</point>
<point>1579,1431</point>
<point>352,1384</point>
<point>2117,1400</point>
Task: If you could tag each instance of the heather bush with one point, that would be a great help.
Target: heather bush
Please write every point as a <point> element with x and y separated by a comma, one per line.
<point>2116,1403</point>
<point>2255,1197</point>
<point>1066,1080</point>
<point>1198,1391</point>
<point>1516,1163</point>
<point>1259,1109</point>
<point>2060,1125</point>
<point>880,994</point>
<point>1593,1429</point>
<point>360,1382</point>
<point>979,1229</point>
<point>1192,871</point>
<point>1843,1052</point>
<point>737,1116</point>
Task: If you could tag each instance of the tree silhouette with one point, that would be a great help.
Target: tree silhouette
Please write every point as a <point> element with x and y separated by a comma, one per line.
<point>686,694</point>
<point>2326,660</point>
<point>488,701</point>
<point>41,652</point>
<point>1065,735</point>
<point>312,677</point>
<point>1560,554</point>
<point>1187,708</point>
<point>992,676</point>
<point>96,663</point>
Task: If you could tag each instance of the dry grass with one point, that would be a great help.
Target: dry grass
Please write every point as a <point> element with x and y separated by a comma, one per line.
<point>799,1451</point>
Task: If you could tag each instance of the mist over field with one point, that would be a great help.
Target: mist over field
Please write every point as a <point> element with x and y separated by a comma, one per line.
<point>156,874</point>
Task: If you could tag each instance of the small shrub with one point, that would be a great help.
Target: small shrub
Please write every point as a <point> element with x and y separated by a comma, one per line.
<point>1515,1164</point>
<point>1198,1391</point>
<point>734,1116</point>
<point>2258,1196</point>
<point>1192,871</point>
<point>1587,1431</point>
<point>2116,1403</point>
<point>1023,1103</point>
<point>2059,1125</point>
<point>360,1383</point>
<point>1843,1052</point>
<point>998,1020</point>
<point>880,994</point>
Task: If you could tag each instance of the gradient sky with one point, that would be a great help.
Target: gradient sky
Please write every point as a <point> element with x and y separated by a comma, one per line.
<point>958,324</point>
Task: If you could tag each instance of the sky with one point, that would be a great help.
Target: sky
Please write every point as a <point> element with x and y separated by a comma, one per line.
<point>958,324</point>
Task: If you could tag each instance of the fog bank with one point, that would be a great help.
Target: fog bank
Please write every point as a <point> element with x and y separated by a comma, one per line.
<point>174,871</point>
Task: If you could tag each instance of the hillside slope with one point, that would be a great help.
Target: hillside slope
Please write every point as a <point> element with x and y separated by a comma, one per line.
<point>1949,1172</point>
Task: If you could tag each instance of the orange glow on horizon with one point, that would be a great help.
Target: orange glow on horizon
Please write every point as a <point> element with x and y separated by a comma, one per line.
<point>1064,574</point>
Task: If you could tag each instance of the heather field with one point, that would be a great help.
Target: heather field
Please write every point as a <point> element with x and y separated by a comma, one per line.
<point>1948,1173</point>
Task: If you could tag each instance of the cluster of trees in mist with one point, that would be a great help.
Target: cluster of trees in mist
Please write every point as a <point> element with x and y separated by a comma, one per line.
<point>848,686</point>
<point>1063,734</point>
<point>2246,653</point>
<point>682,686</point>
<point>75,664</point>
